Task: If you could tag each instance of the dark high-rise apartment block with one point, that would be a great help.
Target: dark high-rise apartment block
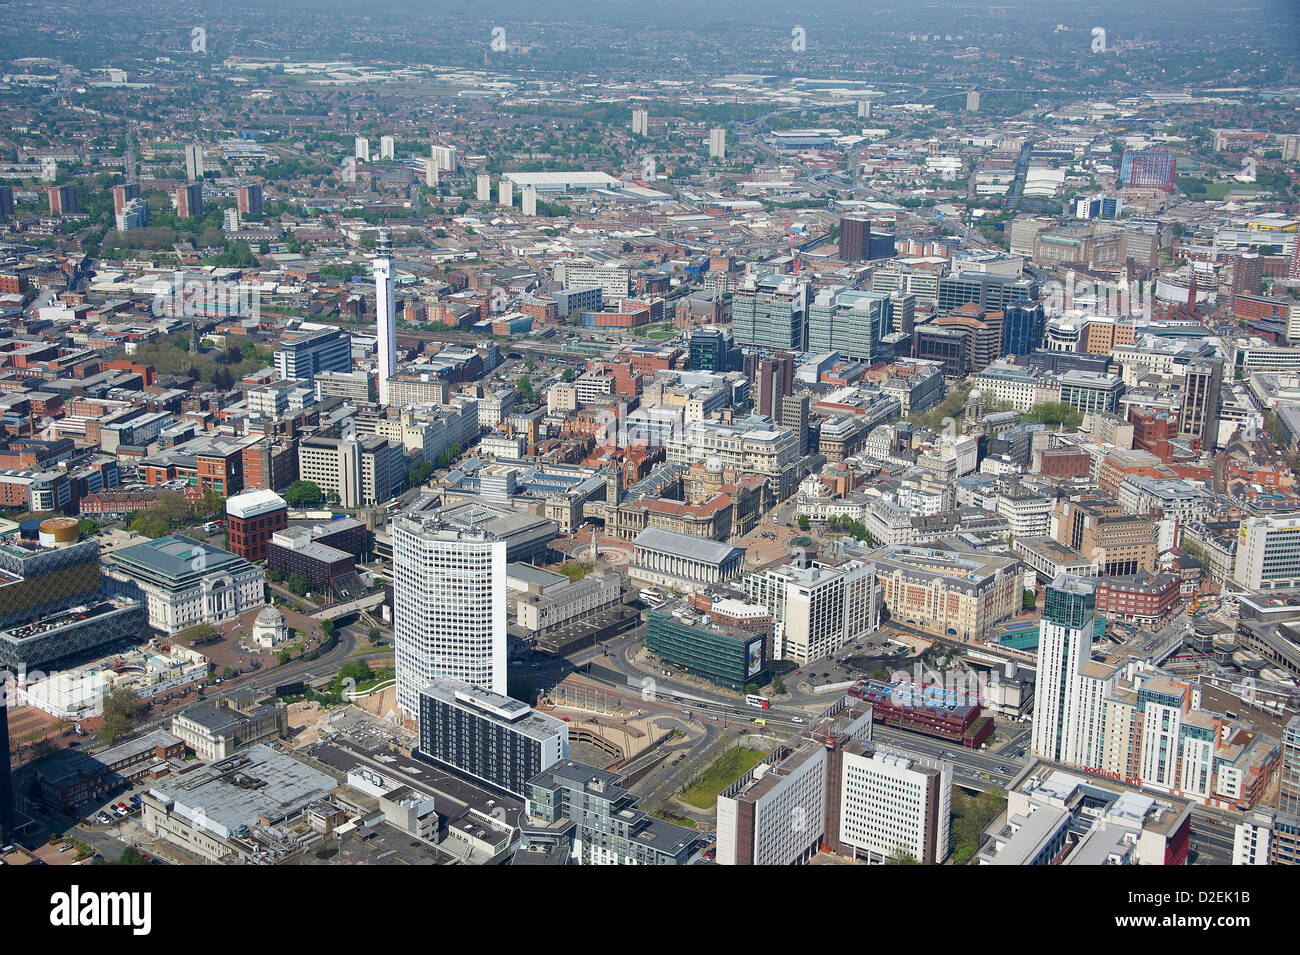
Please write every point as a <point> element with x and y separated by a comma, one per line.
<point>123,194</point>
<point>859,243</point>
<point>189,200</point>
<point>250,200</point>
<point>855,238</point>
<point>7,206</point>
<point>63,201</point>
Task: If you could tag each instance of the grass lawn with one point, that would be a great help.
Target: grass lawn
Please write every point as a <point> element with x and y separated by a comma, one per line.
<point>667,816</point>
<point>665,334</point>
<point>729,767</point>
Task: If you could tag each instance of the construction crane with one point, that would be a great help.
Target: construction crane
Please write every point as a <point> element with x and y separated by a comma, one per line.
<point>794,256</point>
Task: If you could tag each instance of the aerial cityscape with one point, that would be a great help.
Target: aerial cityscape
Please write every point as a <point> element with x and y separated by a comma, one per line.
<point>509,434</point>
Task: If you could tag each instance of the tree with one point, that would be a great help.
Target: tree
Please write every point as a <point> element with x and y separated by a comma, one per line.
<point>778,686</point>
<point>120,708</point>
<point>901,856</point>
<point>1029,601</point>
<point>804,523</point>
<point>299,584</point>
<point>327,627</point>
<point>303,494</point>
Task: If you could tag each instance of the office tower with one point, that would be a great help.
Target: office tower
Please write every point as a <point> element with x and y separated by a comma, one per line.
<point>361,148</point>
<point>189,200</point>
<point>640,122</point>
<point>505,192</point>
<point>528,201</point>
<point>387,148</point>
<point>1268,553</point>
<point>1069,695</point>
<point>1288,795</point>
<point>717,143</point>
<point>855,238</point>
<point>894,803</point>
<point>1023,325</point>
<point>385,314</point>
<point>850,322</point>
<point>484,187</point>
<point>816,607</point>
<point>361,473</point>
<point>444,156</point>
<point>303,355</point>
<point>63,201</point>
<point>449,607</point>
<point>776,817</point>
<point>904,306</point>
<point>250,200</point>
<point>501,741</point>
<point>431,175</point>
<point>194,162</point>
<point>1199,417</point>
<point>771,378</point>
<point>6,201</point>
<point>794,415</point>
<point>123,194</point>
<point>771,311</point>
<point>973,101</point>
<point>864,109</point>
<point>710,348</point>
<point>990,291</point>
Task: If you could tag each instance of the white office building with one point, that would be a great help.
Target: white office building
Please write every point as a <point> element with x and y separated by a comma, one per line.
<point>449,607</point>
<point>361,148</point>
<point>894,803</point>
<point>1268,553</point>
<point>817,609</point>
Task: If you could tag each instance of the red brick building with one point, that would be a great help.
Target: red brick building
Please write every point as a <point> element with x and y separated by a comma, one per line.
<point>251,519</point>
<point>1143,596</point>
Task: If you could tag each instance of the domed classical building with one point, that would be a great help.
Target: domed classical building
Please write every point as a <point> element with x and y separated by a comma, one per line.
<point>269,629</point>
